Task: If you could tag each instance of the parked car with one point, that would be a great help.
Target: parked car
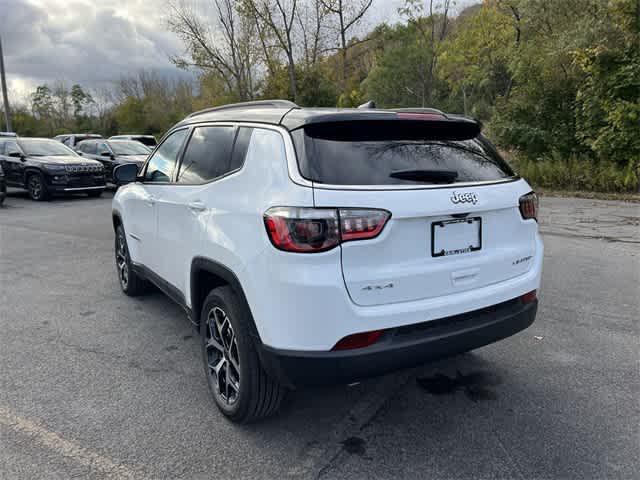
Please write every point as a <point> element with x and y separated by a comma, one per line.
<point>319,246</point>
<point>114,152</point>
<point>3,186</point>
<point>149,140</point>
<point>72,139</point>
<point>44,167</point>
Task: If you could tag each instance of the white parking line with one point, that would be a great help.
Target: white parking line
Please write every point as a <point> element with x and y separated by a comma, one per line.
<point>66,448</point>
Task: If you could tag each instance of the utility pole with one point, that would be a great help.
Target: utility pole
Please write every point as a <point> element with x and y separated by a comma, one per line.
<point>3,81</point>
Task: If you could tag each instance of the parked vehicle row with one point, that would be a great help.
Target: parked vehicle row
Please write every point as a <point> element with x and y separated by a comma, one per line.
<point>45,167</point>
<point>316,246</point>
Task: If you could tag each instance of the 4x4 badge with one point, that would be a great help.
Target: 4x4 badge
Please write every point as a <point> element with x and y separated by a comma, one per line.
<point>464,198</point>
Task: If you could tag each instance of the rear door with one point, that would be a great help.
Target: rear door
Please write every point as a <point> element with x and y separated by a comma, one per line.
<point>182,209</point>
<point>455,223</point>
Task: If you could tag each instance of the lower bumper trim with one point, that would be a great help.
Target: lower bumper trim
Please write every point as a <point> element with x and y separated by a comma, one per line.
<point>78,189</point>
<point>402,347</point>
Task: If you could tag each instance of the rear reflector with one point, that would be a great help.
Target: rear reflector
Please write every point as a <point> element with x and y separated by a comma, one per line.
<point>358,340</point>
<point>529,297</point>
<point>529,206</point>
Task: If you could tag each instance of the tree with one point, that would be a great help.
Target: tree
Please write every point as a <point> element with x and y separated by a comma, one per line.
<point>349,14</point>
<point>277,18</point>
<point>223,46</point>
<point>80,100</point>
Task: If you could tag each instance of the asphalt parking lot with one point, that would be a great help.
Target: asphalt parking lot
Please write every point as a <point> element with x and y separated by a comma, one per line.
<point>94,384</point>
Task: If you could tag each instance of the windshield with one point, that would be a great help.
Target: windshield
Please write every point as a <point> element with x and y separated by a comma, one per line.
<point>40,147</point>
<point>124,147</point>
<point>394,158</point>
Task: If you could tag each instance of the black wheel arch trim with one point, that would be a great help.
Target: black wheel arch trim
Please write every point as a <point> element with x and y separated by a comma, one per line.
<point>202,264</point>
<point>30,170</point>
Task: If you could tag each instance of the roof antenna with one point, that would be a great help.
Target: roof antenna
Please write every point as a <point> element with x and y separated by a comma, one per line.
<point>369,104</point>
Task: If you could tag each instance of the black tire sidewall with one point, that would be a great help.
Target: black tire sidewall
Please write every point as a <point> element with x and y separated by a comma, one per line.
<point>120,232</point>
<point>227,301</point>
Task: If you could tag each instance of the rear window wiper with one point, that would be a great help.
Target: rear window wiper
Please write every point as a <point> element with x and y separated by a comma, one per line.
<point>430,176</point>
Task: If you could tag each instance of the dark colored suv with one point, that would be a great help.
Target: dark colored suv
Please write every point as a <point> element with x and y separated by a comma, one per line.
<point>3,186</point>
<point>112,153</point>
<point>44,167</point>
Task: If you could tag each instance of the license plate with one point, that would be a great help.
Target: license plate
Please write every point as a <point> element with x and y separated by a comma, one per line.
<point>455,237</point>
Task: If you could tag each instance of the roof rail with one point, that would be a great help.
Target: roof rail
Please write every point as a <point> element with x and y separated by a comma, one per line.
<point>418,110</point>
<point>253,104</point>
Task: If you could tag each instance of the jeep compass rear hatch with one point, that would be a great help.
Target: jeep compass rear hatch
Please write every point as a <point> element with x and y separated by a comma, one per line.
<point>455,219</point>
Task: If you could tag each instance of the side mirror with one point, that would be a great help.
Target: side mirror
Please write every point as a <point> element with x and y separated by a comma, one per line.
<point>16,155</point>
<point>125,173</point>
<point>106,154</point>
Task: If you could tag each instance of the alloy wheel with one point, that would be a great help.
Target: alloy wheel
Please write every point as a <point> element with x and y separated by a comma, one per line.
<point>35,187</point>
<point>121,262</point>
<point>223,359</point>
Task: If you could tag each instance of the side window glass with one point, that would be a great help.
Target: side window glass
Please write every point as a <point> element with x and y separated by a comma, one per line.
<point>208,155</point>
<point>161,164</point>
<point>11,147</point>
<point>102,148</point>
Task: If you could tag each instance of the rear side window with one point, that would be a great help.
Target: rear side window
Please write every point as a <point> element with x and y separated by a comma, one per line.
<point>208,155</point>
<point>391,155</point>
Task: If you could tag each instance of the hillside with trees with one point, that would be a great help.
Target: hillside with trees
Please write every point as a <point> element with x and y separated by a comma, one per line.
<point>556,84</point>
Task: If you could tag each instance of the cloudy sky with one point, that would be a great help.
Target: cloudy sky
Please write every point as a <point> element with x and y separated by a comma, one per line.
<point>94,42</point>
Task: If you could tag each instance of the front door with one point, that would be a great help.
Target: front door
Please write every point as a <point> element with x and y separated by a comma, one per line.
<point>157,179</point>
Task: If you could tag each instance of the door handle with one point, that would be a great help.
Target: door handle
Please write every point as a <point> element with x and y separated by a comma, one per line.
<point>197,206</point>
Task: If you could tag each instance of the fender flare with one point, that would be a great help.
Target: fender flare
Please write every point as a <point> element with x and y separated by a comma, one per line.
<point>199,264</point>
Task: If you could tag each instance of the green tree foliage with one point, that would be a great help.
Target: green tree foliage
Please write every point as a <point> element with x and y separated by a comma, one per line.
<point>556,83</point>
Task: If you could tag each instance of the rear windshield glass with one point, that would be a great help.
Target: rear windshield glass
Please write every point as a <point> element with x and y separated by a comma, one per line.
<point>394,157</point>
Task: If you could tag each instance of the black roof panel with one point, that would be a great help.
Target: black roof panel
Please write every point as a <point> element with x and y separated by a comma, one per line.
<point>291,116</point>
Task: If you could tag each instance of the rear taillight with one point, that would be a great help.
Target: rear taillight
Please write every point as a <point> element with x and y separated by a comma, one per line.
<point>529,206</point>
<point>310,230</point>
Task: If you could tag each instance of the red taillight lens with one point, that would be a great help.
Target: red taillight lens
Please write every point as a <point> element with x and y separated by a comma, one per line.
<point>361,224</point>
<point>529,297</point>
<point>358,340</point>
<point>310,230</point>
<point>529,206</point>
<point>302,230</point>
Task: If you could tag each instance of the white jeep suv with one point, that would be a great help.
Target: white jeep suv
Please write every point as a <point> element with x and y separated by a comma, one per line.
<point>314,246</point>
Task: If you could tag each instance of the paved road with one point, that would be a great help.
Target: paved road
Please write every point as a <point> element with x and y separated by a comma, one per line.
<point>97,385</point>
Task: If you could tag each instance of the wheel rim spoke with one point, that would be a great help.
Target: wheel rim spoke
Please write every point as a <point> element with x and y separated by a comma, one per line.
<point>221,350</point>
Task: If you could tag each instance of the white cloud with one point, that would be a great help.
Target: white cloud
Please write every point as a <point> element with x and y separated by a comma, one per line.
<point>82,41</point>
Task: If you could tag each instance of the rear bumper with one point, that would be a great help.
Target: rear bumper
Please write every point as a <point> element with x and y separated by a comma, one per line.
<point>400,347</point>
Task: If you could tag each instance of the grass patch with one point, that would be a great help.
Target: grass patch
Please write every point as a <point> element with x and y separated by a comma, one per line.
<point>578,175</point>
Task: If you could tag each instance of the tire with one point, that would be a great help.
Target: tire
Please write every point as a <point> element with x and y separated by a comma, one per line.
<point>95,193</point>
<point>37,187</point>
<point>241,389</point>
<point>130,282</point>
